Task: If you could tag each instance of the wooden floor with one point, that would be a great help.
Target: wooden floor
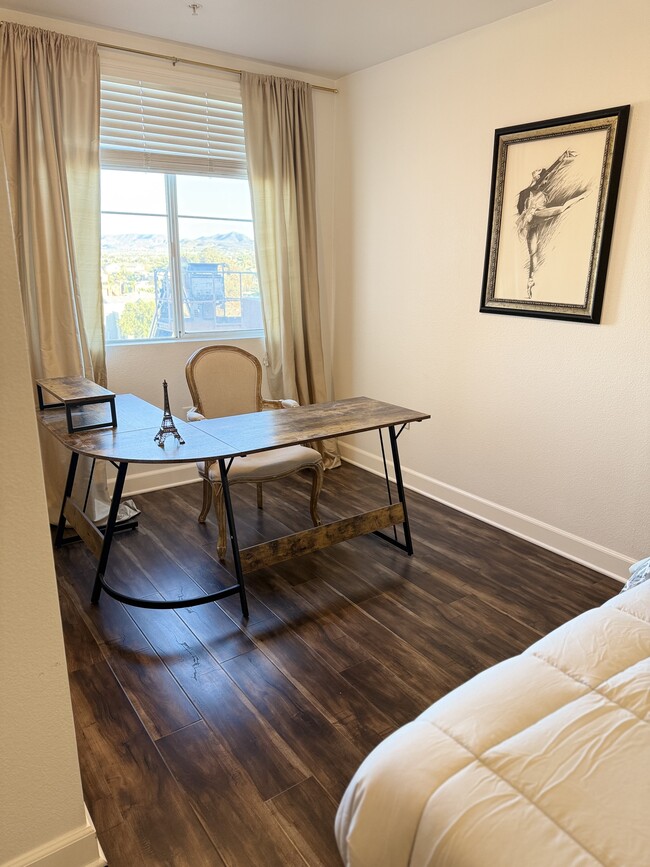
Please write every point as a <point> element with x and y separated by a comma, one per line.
<point>204,740</point>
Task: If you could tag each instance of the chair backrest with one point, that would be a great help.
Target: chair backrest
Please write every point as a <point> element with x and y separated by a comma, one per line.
<point>224,380</point>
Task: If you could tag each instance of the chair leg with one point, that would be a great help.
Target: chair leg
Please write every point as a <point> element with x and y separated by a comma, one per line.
<point>316,485</point>
<point>260,503</point>
<point>207,500</point>
<point>220,512</point>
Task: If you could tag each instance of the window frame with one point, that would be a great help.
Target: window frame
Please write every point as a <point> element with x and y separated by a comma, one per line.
<point>171,217</point>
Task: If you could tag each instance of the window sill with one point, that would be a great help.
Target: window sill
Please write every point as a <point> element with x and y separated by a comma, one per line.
<point>221,337</point>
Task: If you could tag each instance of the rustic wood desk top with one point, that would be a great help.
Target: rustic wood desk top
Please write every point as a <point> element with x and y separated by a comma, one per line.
<point>138,422</point>
<point>132,441</point>
<point>273,429</point>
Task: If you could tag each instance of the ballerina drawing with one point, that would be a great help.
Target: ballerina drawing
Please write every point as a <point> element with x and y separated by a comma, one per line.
<point>540,206</point>
<point>551,215</point>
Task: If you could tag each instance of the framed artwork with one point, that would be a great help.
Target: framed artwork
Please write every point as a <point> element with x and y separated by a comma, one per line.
<point>554,188</point>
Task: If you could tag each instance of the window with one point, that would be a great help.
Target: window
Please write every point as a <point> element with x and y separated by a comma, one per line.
<point>209,286</point>
<point>178,253</point>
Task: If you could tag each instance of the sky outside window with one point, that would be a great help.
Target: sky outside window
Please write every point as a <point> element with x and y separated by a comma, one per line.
<point>135,192</point>
<point>228,198</point>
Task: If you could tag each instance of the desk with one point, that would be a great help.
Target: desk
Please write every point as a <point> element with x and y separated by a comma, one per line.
<point>221,440</point>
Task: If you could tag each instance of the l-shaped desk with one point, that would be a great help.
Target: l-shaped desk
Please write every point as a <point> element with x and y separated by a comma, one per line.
<point>222,440</point>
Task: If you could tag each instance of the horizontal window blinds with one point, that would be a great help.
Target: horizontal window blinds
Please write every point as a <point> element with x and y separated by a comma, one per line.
<point>193,125</point>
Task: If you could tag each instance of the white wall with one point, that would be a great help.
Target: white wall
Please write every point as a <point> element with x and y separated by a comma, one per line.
<point>42,814</point>
<point>537,425</point>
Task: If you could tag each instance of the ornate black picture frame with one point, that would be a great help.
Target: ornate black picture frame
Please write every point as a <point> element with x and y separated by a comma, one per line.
<point>552,204</point>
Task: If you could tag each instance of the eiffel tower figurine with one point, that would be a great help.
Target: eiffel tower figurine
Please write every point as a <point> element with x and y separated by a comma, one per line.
<point>167,428</point>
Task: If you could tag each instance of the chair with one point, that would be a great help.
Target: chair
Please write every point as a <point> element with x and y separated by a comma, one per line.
<point>224,381</point>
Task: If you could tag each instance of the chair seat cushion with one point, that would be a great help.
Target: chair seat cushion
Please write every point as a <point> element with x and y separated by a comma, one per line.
<point>264,466</point>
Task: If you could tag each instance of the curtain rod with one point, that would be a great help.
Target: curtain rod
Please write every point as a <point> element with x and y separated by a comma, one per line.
<point>175,60</point>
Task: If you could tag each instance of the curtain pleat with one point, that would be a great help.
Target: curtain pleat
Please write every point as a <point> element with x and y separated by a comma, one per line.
<point>278,126</point>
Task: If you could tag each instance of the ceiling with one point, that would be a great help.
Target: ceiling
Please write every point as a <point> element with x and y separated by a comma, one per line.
<point>331,39</point>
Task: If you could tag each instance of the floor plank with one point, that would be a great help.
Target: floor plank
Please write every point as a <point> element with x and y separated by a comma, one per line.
<point>241,827</point>
<point>207,739</point>
<point>297,720</point>
<point>140,813</point>
<point>307,815</point>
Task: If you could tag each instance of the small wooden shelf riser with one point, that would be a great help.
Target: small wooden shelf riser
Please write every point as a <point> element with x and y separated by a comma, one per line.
<point>73,393</point>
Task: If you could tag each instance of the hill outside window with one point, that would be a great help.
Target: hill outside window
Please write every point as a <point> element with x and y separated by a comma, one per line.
<point>178,253</point>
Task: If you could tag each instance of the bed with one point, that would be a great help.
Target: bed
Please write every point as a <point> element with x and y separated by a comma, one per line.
<point>543,759</point>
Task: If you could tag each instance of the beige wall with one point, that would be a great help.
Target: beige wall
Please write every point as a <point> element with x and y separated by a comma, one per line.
<point>540,426</point>
<point>41,804</point>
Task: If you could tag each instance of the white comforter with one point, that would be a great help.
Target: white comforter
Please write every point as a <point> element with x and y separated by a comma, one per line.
<point>540,761</point>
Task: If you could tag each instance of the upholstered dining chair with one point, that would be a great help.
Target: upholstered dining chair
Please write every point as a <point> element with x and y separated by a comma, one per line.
<point>223,381</point>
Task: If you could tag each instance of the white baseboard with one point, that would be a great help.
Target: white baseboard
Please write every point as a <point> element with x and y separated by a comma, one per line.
<point>142,478</point>
<point>572,547</point>
<point>78,848</point>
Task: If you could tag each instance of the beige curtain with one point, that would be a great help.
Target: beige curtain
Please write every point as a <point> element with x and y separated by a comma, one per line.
<point>278,125</point>
<point>49,122</point>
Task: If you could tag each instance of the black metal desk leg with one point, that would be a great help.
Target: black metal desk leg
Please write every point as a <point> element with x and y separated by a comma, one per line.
<point>69,484</point>
<point>233,536</point>
<point>400,488</point>
<point>108,532</point>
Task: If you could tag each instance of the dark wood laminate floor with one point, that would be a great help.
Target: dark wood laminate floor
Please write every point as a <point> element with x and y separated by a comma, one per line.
<point>207,741</point>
